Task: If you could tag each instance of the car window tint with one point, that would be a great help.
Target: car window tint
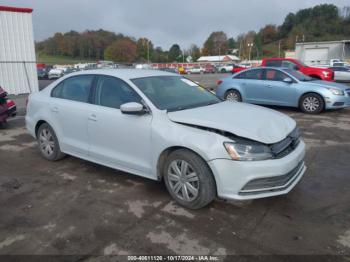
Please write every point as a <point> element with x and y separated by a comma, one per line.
<point>76,88</point>
<point>275,75</point>
<point>274,63</point>
<point>288,64</point>
<point>113,92</point>
<point>256,74</point>
<point>57,91</point>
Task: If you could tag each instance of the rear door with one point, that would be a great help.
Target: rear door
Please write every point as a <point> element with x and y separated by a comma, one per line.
<point>251,82</point>
<point>69,111</point>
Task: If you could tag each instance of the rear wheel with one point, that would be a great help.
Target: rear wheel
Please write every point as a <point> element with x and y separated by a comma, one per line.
<point>223,70</point>
<point>311,104</point>
<point>233,96</point>
<point>189,180</point>
<point>48,143</point>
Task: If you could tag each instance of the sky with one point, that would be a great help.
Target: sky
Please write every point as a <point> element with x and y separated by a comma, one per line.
<point>165,22</point>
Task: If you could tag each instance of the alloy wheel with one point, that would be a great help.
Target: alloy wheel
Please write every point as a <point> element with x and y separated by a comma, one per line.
<point>183,180</point>
<point>311,103</point>
<point>232,96</point>
<point>46,142</point>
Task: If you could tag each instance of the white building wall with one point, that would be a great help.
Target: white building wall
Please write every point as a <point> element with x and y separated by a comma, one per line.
<point>18,73</point>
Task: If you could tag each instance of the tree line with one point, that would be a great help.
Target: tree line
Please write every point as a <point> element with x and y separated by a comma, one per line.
<point>320,23</point>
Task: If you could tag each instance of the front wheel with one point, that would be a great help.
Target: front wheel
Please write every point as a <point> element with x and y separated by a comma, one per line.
<point>311,104</point>
<point>189,180</point>
<point>233,96</point>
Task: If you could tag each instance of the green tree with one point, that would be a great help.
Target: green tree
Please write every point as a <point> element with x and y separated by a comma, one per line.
<point>194,52</point>
<point>144,49</point>
<point>122,50</point>
<point>216,44</point>
<point>175,53</point>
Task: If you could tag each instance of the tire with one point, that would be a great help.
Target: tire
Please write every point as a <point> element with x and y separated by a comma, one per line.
<point>233,96</point>
<point>223,70</point>
<point>311,103</point>
<point>179,182</point>
<point>48,143</point>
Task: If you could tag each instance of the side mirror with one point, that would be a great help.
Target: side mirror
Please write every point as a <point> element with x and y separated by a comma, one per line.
<point>132,108</point>
<point>288,80</point>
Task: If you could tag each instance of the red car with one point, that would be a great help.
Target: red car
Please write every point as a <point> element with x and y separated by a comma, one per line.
<point>12,108</point>
<point>209,69</point>
<point>315,72</point>
<point>237,69</point>
<point>7,107</point>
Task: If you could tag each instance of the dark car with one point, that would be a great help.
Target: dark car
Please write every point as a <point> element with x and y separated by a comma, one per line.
<point>170,70</point>
<point>209,69</point>
<point>42,73</point>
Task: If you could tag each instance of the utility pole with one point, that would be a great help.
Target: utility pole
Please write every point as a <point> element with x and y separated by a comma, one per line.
<point>279,48</point>
<point>148,51</point>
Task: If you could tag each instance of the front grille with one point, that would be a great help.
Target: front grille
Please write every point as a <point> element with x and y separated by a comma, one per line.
<point>271,184</point>
<point>287,145</point>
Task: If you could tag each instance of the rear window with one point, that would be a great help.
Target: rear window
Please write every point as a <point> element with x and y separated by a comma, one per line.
<point>274,63</point>
<point>75,88</point>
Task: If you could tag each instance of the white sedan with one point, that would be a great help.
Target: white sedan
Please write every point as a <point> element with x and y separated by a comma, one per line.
<point>162,126</point>
<point>341,73</point>
<point>55,73</point>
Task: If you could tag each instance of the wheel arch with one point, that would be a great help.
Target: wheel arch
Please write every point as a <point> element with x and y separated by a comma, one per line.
<point>166,152</point>
<point>233,89</point>
<point>312,92</point>
<point>37,126</point>
<point>316,76</point>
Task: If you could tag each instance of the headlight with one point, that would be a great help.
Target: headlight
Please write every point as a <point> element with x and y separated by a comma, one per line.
<point>247,151</point>
<point>336,92</point>
<point>325,73</point>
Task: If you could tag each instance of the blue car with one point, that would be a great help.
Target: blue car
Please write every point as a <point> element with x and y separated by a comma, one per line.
<point>284,87</point>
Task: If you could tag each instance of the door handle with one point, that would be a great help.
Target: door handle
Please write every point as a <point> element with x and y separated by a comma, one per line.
<point>54,109</point>
<point>93,117</point>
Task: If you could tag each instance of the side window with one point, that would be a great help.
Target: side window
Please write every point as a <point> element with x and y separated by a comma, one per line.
<point>274,63</point>
<point>289,65</point>
<point>241,76</point>
<point>113,92</point>
<point>75,88</point>
<point>256,74</point>
<point>57,91</point>
<point>275,75</point>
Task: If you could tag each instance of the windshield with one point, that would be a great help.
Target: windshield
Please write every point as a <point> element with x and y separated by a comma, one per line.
<point>298,75</point>
<point>174,93</point>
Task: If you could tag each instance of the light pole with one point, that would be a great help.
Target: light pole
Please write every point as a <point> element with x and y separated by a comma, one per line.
<point>279,48</point>
<point>250,45</point>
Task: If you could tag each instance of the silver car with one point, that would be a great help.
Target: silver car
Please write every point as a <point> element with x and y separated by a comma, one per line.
<point>162,126</point>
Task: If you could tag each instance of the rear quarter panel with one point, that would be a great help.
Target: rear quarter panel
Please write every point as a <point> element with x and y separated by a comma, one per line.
<point>227,84</point>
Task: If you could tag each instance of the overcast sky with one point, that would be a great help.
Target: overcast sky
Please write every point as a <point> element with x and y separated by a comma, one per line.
<point>165,22</point>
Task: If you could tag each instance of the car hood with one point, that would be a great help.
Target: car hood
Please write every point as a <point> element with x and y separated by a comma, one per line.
<point>327,84</point>
<point>241,119</point>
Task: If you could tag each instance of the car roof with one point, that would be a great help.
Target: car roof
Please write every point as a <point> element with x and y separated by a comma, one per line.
<point>125,74</point>
<point>268,67</point>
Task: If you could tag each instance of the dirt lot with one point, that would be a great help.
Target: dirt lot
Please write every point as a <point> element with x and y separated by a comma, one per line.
<point>76,207</point>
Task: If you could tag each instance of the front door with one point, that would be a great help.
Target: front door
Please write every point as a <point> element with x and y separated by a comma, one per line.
<point>119,140</point>
<point>277,91</point>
